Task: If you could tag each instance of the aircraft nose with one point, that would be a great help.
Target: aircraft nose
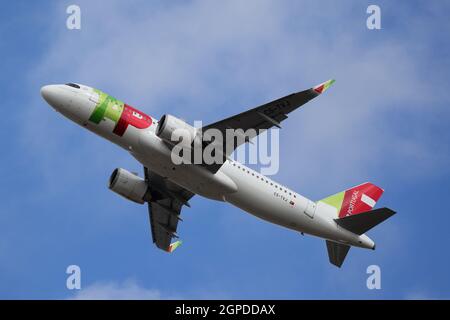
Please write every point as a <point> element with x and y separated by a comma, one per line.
<point>50,94</point>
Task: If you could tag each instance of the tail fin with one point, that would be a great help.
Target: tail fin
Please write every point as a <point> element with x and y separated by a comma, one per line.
<point>355,200</point>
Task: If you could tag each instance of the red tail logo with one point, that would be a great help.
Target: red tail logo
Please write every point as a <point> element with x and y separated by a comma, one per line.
<point>360,199</point>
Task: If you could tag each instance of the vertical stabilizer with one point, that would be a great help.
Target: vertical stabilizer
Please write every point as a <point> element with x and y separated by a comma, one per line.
<point>356,200</point>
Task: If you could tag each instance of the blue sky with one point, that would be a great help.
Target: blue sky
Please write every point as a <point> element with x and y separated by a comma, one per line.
<point>385,120</point>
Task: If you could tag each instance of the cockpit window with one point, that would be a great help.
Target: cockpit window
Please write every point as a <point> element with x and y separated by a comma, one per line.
<point>73,85</point>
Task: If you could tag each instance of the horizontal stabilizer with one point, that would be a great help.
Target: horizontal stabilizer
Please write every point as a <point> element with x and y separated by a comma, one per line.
<point>360,223</point>
<point>337,252</point>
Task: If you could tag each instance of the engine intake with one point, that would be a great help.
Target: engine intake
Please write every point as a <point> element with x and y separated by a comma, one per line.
<point>170,127</point>
<point>128,185</point>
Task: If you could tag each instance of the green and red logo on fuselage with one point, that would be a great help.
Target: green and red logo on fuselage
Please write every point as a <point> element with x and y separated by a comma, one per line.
<point>120,113</point>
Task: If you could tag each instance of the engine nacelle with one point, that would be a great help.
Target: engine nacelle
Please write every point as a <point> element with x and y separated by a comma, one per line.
<point>128,185</point>
<point>170,127</point>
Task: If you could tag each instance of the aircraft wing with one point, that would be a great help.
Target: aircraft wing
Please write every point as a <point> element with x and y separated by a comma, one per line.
<point>167,200</point>
<point>263,117</point>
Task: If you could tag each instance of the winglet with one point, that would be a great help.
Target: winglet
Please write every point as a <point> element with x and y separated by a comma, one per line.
<point>174,245</point>
<point>321,88</point>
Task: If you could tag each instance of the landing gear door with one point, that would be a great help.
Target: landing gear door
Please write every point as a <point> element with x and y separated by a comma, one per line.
<point>310,209</point>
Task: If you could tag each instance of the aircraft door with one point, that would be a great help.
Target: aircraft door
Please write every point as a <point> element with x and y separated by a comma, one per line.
<point>310,209</point>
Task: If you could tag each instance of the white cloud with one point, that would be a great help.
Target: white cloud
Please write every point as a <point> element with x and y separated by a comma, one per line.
<point>127,290</point>
<point>131,290</point>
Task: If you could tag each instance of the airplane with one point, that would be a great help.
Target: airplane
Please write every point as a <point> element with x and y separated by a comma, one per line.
<point>341,219</point>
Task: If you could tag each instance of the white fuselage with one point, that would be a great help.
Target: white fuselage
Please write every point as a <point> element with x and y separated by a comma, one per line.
<point>233,183</point>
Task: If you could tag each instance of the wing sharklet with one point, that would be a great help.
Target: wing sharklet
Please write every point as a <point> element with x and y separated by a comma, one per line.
<point>173,246</point>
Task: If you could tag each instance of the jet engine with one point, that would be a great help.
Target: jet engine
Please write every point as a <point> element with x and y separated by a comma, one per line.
<point>170,129</point>
<point>128,185</point>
